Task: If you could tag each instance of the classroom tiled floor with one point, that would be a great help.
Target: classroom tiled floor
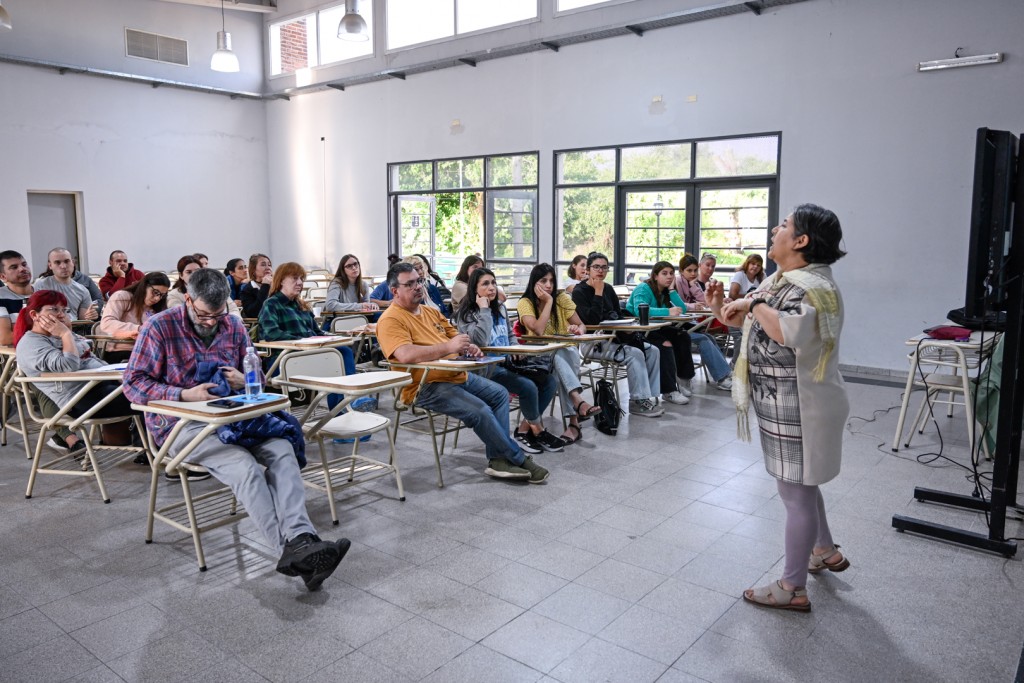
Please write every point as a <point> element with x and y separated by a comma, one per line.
<point>627,566</point>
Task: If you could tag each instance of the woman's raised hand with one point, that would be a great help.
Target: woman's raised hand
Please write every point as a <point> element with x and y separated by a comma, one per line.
<point>483,302</point>
<point>542,294</point>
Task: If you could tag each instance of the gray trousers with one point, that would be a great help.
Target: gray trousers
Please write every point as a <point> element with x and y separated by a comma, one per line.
<point>275,497</point>
<point>643,368</point>
<point>806,527</point>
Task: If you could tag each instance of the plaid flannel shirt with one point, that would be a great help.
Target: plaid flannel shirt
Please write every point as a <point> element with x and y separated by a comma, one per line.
<point>166,358</point>
<point>281,319</point>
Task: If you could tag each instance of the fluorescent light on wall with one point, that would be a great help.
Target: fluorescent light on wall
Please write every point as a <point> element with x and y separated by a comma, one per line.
<point>976,60</point>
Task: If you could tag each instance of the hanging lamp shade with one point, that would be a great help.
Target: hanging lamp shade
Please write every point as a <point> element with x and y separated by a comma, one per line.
<point>5,19</point>
<point>352,26</point>
<point>224,59</point>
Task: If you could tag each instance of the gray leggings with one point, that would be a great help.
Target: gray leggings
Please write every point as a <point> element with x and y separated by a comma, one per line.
<point>806,527</point>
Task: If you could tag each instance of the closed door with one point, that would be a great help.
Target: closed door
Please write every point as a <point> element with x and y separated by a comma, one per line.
<point>53,222</point>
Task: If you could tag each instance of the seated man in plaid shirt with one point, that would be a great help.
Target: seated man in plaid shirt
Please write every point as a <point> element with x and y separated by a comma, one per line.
<point>164,366</point>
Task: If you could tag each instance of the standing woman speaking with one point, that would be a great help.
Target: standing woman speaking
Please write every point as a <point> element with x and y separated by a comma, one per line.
<point>788,368</point>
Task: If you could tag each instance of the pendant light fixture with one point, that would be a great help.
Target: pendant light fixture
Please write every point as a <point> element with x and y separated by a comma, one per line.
<point>352,26</point>
<point>5,18</point>
<point>224,59</point>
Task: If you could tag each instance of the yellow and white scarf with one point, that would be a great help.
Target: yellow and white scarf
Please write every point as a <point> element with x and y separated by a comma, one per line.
<point>822,294</point>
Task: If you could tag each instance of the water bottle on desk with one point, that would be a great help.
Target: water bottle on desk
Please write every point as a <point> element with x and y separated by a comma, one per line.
<point>251,365</point>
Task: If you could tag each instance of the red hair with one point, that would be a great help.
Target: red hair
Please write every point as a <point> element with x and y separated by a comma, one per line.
<point>36,302</point>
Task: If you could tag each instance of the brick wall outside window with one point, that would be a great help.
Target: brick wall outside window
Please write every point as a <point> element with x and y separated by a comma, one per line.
<point>294,53</point>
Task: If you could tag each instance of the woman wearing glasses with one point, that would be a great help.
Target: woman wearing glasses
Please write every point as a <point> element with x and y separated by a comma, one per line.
<point>347,291</point>
<point>45,343</point>
<point>127,309</point>
<point>596,302</point>
<point>287,316</point>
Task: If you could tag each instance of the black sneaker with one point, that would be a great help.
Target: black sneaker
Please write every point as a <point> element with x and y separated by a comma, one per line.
<point>549,442</point>
<point>528,442</point>
<point>141,459</point>
<point>192,476</point>
<point>316,577</point>
<point>57,443</point>
<point>77,451</point>
<point>312,559</point>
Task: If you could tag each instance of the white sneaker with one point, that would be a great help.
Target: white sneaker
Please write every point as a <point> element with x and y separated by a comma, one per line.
<point>685,387</point>
<point>677,397</point>
<point>725,384</point>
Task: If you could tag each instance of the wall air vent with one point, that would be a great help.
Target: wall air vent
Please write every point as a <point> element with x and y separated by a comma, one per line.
<point>155,47</point>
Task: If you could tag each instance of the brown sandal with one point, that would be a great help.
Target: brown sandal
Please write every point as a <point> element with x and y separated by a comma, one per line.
<point>774,596</point>
<point>819,563</point>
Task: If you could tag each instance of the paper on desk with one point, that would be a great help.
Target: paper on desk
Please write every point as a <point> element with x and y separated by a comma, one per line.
<point>112,366</point>
<point>530,348</point>
<point>454,362</point>
<point>316,340</point>
<point>622,321</point>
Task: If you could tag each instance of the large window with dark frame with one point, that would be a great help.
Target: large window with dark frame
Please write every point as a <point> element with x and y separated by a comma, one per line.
<point>650,202</point>
<point>447,209</point>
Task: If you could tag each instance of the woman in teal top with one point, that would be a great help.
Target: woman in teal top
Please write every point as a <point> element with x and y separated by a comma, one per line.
<point>660,295</point>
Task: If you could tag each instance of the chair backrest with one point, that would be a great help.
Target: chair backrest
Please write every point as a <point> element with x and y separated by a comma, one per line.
<point>348,322</point>
<point>621,290</point>
<point>314,363</point>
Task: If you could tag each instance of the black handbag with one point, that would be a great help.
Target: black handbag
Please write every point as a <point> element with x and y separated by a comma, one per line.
<point>534,368</point>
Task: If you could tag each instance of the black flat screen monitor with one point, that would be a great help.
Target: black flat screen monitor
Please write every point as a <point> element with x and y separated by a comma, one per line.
<point>995,164</point>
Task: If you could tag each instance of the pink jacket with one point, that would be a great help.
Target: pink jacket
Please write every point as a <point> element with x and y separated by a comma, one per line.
<point>118,319</point>
<point>689,292</point>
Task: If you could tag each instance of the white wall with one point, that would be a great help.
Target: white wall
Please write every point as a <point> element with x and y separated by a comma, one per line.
<point>889,149</point>
<point>163,172</point>
<point>91,34</point>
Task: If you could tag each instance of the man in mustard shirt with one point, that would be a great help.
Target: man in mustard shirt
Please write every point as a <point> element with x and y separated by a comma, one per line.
<point>411,333</point>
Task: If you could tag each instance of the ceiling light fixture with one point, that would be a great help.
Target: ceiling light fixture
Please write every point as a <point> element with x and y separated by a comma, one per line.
<point>976,60</point>
<point>352,26</point>
<point>224,59</point>
<point>5,19</point>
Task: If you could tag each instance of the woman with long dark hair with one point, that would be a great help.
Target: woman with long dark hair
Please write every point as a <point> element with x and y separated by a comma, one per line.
<point>543,311</point>
<point>576,273</point>
<point>673,343</point>
<point>237,273</point>
<point>348,291</point>
<point>127,309</point>
<point>461,284</point>
<point>485,320</point>
<point>596,302</point>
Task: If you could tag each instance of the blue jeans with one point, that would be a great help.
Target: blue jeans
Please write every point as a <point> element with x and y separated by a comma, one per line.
<point>534,397</point>
<point>349,360</point>
<point>482,405</point>
<point>711,356</point>
<point>566,367</point>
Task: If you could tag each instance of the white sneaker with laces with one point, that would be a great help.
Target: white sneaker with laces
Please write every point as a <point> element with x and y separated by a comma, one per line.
<point>685,387</point>
<point>676,397</point>
<point>725,384</point>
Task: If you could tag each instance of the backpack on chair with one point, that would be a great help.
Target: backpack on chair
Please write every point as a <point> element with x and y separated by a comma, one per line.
<point>607,421</point>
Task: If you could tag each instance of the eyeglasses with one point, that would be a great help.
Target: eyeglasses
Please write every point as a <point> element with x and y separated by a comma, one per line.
<point>352,264</point>
<point>208,317</point>
<point>600,269</point>
<point>413,284</point>
<point>54,310</point>
<point>157,293</point>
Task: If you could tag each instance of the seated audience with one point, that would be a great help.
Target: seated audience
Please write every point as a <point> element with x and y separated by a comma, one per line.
<point>264,477</point>
<point>409,332</point>
<point>129,308</point>
<point>257,289</point>
<point>393,259</point>
<point>693,296</point>
<point>576,273</point>
<point>382,293</point>
<point>120,274</point>
<point>748,277</point>
<point>485,320</point>
<point>237,273</point>
<point>187,265</point>
<point>348,292</point>
<point>16,275</point>
<point>687,285</point>
<point>45,343</point>
<point>545,311</point>
<point>434,278</point>
<point>706,270</point>
<point>595,302</point>
<point>204,261</point>
<point>286,315</point>
<point>80,304</point>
